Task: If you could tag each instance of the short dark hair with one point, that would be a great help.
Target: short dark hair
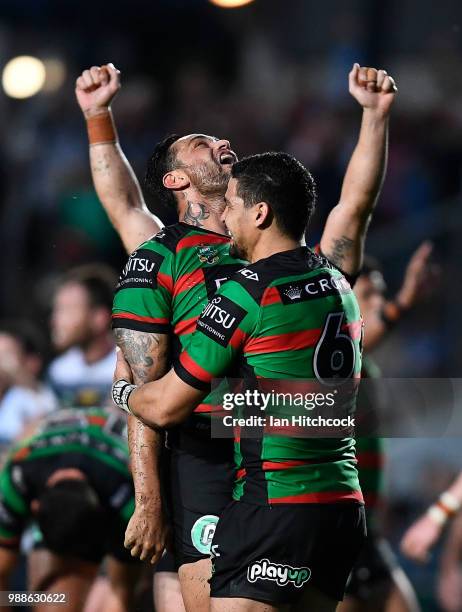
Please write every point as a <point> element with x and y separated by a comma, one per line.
<point>162,160</point>
<point>27,334</point>
<point>72,520</point>
<point>282,182</point>
<point>98,280</point>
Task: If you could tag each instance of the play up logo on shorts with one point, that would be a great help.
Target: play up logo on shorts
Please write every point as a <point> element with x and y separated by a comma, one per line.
<point>281,574</point>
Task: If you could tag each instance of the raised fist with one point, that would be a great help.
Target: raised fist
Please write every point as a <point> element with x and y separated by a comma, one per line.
<point>373,89</point>
<point>96,88</point>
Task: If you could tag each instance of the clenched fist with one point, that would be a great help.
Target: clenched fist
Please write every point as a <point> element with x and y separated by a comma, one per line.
<point>96,88</point>
<point>373,89</point>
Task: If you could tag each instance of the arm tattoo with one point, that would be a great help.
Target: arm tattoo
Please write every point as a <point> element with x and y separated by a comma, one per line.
<point>145,352</point>
<point>340,248</point>
<point>102,165</point>
<point>196,212</point>
<point>137,348</point>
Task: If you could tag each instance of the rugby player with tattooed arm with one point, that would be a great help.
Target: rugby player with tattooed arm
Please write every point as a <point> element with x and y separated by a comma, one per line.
<point>295,524</point>
<point>191,174</point>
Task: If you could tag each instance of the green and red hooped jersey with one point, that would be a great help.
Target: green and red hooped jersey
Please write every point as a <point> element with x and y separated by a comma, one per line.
<point>168,281</point>
<point>93,440</point>
<point>273,320</point>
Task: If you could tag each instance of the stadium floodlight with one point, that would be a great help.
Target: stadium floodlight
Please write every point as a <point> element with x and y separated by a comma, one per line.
<point>230,3</point>
<point>23,76</point>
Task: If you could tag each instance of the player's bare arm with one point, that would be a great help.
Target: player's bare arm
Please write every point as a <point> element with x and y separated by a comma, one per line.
<point>449,583</point>
<point>147,355</point>
<point>344,234</point>
<point>162,403</point>
<point>114,180</point>
<point>422,536</point>
<point>414,288</point>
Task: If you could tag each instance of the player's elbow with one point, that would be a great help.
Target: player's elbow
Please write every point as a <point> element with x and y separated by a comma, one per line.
<point>170,415</point>
<point>155,420</point>
<point>162,419</point>
<point>159,417</point>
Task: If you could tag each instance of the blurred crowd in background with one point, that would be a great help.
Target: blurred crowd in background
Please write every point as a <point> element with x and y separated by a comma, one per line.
<point>270,76</point>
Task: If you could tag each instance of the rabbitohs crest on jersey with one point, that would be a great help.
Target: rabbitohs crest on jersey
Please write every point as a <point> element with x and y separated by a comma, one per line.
<point>207,254</point>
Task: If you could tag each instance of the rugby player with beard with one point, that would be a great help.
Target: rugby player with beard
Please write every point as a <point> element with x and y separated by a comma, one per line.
<point>191,174</point>
<point>295,522</point>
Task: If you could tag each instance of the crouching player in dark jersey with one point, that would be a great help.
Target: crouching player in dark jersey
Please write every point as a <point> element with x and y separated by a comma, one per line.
<point>72,481</point>
<point>296,524</point>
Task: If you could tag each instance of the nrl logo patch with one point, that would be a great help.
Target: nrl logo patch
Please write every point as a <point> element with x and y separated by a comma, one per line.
<point>207,254</point>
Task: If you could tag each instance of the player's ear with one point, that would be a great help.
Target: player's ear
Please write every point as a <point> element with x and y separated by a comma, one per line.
<point>176,179</point>
<point>263,215</point>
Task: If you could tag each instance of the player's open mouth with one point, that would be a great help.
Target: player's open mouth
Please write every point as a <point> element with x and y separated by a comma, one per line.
<point>227,158</point>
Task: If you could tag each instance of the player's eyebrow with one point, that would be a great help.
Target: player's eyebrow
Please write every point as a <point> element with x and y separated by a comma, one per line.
<point>201,137</point>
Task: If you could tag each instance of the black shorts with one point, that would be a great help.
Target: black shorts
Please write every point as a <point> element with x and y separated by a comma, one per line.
<point>166,563</point>
<point>373,569</point>
<point>270,553</point>
<point>202,474</point>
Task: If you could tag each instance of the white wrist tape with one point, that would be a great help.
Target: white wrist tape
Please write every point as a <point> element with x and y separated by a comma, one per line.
<point>437,514</point>
<point>449,501</point>
<point>121,391</point>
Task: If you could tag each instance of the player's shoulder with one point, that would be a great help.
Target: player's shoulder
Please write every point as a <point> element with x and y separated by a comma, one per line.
<point>317,260</point>
<point>167,238</point>
<point>257,278</point>
<point>251,280</point>
<point>150,258</point>
<point>351,278</point>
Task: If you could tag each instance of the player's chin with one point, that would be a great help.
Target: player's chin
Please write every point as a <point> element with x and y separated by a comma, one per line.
<point>224,173</point>
<point>221,182</point>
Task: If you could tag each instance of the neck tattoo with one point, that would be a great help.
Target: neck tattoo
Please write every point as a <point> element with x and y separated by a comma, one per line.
<point>196,212</point>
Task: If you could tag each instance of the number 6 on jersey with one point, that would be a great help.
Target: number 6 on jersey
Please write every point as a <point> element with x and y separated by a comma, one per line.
<point>334,356</point>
